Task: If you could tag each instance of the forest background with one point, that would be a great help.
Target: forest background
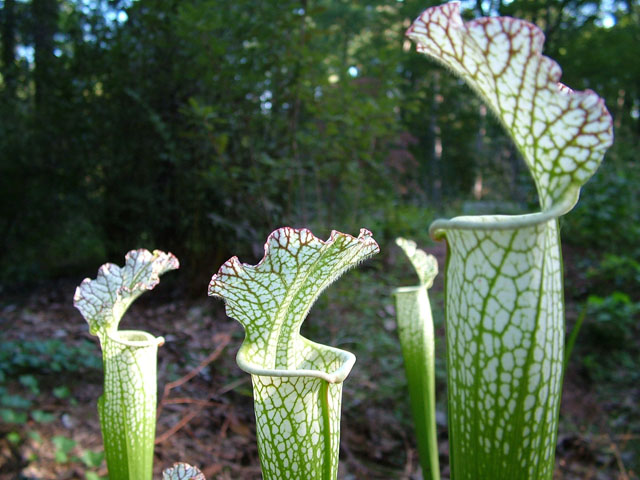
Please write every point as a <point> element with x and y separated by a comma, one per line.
<point>199,126</point>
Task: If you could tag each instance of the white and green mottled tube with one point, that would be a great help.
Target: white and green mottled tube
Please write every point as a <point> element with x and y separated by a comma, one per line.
<point>127,407</point>
<point>298,416</point>
<point>505,347</point>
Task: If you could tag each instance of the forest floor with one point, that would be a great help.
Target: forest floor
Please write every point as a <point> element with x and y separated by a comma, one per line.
<point>205,405</point>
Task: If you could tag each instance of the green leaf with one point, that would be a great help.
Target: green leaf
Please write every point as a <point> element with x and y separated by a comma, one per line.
<point>14,437</point>
<point>12,416</point>
<point>92,459</point>
<point>63,445</point>
<point>61,392</point>
<point>30,382</point>
<point>105,299</point>
<point>93,476</point>
<point>60,456</point>
<point>182,471</point>
<point>14,401</point>
<point>416,332</point>
<point>42,417</point>
<point>297,383</point>
<point>504,302</point>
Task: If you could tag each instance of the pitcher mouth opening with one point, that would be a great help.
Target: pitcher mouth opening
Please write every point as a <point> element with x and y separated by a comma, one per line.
<point>500,222</point>
<point>135,338</point>
<point>342,360</point>
<point>408,289</point>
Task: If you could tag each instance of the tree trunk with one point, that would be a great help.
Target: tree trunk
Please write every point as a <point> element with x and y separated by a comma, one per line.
<point>45,21</point>
<point>9,46</point>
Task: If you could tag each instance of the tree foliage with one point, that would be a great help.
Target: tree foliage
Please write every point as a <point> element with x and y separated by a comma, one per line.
<point>187,124</point>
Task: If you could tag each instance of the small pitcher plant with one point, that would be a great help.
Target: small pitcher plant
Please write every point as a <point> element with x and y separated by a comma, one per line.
<point>503,281</point>
<point>127,408</point>
<point>297,383</point>
<point>417,338</point>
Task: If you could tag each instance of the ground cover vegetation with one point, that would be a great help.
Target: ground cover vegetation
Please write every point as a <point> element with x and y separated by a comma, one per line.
<point>200,128</point>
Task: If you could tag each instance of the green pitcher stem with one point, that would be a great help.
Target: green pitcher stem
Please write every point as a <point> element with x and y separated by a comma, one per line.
<point>504,328</point>
<point>415,329</point>
<point>127,407</point>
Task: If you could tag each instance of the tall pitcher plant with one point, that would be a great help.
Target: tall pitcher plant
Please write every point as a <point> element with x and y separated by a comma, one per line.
<point>504,288</point>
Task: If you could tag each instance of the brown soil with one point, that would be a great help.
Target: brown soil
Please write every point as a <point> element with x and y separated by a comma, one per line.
<point>208,420</point>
